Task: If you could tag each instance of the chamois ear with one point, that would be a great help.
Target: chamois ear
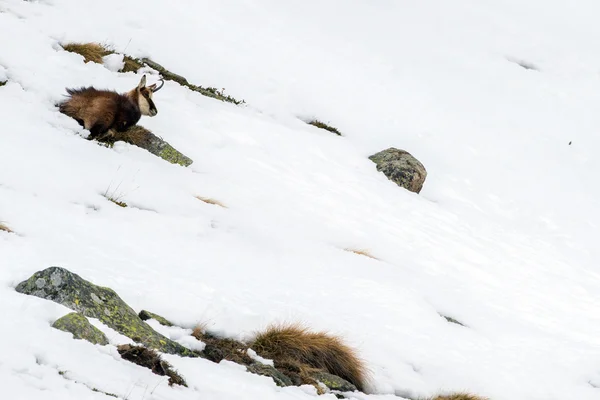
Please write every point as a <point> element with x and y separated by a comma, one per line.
<point>142,83</point>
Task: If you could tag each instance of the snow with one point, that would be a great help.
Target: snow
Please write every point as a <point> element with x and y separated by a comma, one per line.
<point>252,354</point>
<point>113,62</point>
<point>502,237</point>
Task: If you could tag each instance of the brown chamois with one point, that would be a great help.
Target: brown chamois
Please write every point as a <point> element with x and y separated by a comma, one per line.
<point>101,111</point>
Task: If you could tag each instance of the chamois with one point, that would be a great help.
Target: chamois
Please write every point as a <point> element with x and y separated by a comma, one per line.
<point>101,111</point>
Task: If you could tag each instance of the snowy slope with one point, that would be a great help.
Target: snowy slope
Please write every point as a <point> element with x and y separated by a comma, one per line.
<point>501,238</point>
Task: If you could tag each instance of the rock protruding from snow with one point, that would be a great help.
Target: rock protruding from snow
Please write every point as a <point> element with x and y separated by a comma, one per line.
<point>401,168</point>
<point>146,315</point>
<point>270,371</point>
<point>81,328</point>
<point>72,291</point>
<point>333,382</point>
<point>142,137</point>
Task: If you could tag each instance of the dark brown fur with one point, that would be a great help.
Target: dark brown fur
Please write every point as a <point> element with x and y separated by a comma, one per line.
<point>101,111</point>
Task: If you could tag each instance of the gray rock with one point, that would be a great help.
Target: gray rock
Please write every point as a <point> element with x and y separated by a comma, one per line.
<point>69,289</point>
<point>401,168</point>
<point>333,382</point>
<point>143,138</point>
<point>146,315</point>
<point>267,370</point>
<point>81,328</point>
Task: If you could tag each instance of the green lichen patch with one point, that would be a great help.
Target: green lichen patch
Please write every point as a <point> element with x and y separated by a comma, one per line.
<point>323,125</point>
<point>146,315</point>
<point>69,289</point>
<point>81,328</point>
<point>151,359</point>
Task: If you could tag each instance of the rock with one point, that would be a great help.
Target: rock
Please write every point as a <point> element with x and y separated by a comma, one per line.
<point>142,137</point>
<point>146,315</point>
<point>213,353</point>
<point>401,168</point>
<point>333,382</point>
<point>69,289</point>
<point>267,370</point>
<point>81,328</point>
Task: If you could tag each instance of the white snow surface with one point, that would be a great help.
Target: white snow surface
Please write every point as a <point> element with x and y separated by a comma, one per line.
<point>503,236</point>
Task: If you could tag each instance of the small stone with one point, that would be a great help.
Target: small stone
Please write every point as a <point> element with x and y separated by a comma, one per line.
<point>81,328</point>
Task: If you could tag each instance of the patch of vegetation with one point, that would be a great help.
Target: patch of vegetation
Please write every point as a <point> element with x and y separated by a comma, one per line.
<point>208,200</point>
<point>322,125</point>
<point>95,51</point>
<point>90,51</point>
<point>116,201</point>
<point>452,320</point>
<point>2,83</point>
<point>459,396</point>
<point>148,358</point>
<point>218,349</point>
<point>297,352</point>
<point>362,252</point>
<point>4,228</point>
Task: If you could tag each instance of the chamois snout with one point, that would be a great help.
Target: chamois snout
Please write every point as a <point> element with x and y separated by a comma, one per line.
<point>144,97</point>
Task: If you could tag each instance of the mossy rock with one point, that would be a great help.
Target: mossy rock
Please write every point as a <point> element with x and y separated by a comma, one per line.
<point>146,315</point>
<point>141,137</point>
<point>333,382</point>
<point>401,168</point>
<point>267,370</point>
<point>81,328</point>
<point>69,289</point>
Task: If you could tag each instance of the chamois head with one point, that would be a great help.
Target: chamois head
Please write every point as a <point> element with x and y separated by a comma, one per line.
<point>142,96</point>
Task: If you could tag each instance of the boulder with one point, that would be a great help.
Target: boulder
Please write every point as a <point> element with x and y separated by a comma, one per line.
<point>69,289</point>
<point>81,328</point>
<point>401,168</point>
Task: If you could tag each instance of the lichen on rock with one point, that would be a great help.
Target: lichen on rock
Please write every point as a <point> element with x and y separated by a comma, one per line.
<point>401,168</point>
<point>333,382</point>
<point>81,328</point>
<point>69,289</point>
<point>141,137</point>
<point>146,315</point>
<point>266,370</point>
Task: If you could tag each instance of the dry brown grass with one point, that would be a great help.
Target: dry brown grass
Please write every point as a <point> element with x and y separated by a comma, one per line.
<point>208,200</point>
<point>293,346</point>
<point>362,252</point>
<point>150,359</point>
<point>459,396</point>
<point>5,228</point>
<point>90,51</point>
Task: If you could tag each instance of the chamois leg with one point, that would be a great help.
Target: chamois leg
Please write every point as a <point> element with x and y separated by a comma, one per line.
<point>99,129</point>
